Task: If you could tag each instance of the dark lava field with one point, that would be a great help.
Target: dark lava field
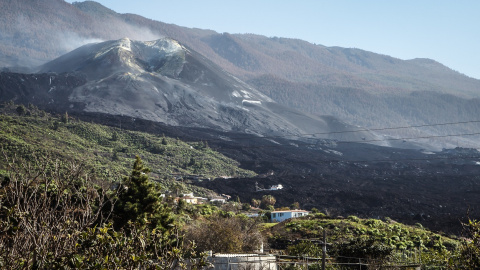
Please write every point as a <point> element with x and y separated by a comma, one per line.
<point>437,190</point>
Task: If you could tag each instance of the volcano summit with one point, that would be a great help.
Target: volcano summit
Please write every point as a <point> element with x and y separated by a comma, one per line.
<point>167,82</point>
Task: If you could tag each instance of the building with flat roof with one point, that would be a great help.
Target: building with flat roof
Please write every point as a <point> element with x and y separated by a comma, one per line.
<point>279,216</point>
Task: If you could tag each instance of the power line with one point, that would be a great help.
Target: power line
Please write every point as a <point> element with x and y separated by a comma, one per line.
<point>362,141</point>
<point>305,135</point>
<point>299,143</point>
<point>390,160</point>
<point>316,161</point>
<point>354,131</point>
<point>413,138</point>
<point>405,127</point>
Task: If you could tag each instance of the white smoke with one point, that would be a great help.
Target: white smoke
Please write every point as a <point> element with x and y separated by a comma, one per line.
<point>139,33</point>
<point>35,40</point>
<point>70,41</point>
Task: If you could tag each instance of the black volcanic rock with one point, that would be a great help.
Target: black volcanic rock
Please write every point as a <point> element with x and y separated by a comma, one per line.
<point>49,90</point>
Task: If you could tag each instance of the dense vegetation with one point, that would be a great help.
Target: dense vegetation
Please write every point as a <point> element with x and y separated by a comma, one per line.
<point>375,242</point>
<point>106,150</point>
<point>54,215</point>
<point>57,214</point>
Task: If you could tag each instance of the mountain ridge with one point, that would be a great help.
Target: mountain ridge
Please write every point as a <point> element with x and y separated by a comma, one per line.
<point>380,80</point>
<point>164,81</point>
<point>272,47</point>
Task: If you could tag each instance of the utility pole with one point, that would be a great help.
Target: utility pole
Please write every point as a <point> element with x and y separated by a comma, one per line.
<point>324,249</point>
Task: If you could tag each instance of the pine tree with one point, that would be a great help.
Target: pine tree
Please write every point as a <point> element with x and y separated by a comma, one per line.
<point>141,201</point>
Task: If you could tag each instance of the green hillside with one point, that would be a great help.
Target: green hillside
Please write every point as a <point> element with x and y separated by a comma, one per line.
<point>107,151</point>
<point>371,240</point>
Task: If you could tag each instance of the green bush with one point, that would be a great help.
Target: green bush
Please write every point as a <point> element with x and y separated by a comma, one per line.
<point>54,216</point>
<point>353,218</point>
<point>305,248</point>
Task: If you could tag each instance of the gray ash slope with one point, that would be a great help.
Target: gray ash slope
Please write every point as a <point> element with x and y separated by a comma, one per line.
<point>166,82</point>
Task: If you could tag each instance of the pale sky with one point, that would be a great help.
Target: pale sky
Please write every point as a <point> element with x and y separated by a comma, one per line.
<point>446,31</point>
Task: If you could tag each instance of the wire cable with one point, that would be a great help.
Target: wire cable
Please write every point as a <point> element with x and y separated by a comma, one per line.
<point>358,130</point>
<point>345,142</point>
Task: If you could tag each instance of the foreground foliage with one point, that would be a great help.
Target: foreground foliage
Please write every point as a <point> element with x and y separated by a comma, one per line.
<point>53,215</point>
<point>469,255</point>
<point>225,234</point>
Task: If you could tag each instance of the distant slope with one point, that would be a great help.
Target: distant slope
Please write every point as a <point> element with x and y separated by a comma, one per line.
<point>329,76</point>
<point>300,61</point>
<point>389,110</point>
<point>48,29</point>
<point>53,27</point>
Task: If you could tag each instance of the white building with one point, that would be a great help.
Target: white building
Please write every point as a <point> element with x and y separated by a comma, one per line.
<point>279,216</point>
<point>276,187</point>
<point>218,200</point>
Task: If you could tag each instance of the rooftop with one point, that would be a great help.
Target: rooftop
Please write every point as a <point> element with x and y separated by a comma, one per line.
<point>284,211</point>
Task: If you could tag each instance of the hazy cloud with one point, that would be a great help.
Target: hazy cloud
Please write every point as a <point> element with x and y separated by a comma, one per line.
<point>70,41</point>
<point>140,33</point>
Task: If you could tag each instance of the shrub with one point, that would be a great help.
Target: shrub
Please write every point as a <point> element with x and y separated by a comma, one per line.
<point>305,248</point>
<point>353,218</point>
<point>21,110</point>
<point>44,209</point>
<point>231,234</point>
